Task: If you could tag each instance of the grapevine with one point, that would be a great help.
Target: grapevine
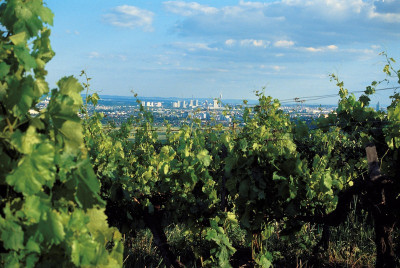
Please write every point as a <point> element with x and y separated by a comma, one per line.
<point>65,180</point>
<point>51,211</point>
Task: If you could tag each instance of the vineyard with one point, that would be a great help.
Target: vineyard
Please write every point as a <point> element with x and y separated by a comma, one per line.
<point>275,192</point>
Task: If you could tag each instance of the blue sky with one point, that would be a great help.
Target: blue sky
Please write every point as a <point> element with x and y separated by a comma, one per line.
<point>208,48</point>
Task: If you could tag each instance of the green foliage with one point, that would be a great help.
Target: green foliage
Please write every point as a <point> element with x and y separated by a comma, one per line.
<point>51,211</point>
<point>223,249</point>
<point>273,170</point>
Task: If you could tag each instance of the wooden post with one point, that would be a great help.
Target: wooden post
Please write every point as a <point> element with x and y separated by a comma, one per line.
<point>381,212</point>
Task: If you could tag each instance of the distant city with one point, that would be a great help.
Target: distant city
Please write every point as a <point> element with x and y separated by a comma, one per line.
<point>179,110</point>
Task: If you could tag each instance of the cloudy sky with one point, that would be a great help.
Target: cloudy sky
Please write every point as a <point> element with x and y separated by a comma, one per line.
<point>228,47</point>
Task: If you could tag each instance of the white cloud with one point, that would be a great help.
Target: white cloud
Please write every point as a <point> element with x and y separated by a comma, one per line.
<point>255,43</point>
<point>130,17</point>
<point>281,31</point>
<point>332,9</point>
<point>321,49</point>
<point>274,67</point>
<point>94,55</point>
<point>188,8</point>
<point>97,55</point>
<point>252,4</point>
<point>331,47</point>
<point>365,51</point>
<point>306,22</point>
<point>72,32</point>
<point>283,43</point>
<point>230,42</point>
<point>278,68</point>
<point>193,46</point>
<point>347,9</point>
<point>313,49</point>
<point>247,43</point>
<point>386,17</point>
<point>387,11</point>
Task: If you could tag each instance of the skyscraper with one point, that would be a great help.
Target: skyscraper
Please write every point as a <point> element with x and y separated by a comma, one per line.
<point>215,104</point>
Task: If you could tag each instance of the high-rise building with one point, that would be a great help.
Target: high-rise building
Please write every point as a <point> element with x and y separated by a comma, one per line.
<point>215,104</point>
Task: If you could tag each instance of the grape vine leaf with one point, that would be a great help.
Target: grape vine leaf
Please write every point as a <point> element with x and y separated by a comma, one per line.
<point>34,170</point>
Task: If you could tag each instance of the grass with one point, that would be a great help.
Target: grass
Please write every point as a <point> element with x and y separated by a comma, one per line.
<point>351,245</point>
<point>353,241</point>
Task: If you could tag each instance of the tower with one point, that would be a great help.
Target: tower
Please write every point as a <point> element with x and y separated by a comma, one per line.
<point>215,104</point>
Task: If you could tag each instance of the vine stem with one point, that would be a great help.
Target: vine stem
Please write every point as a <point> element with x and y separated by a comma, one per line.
<point>10,127</point>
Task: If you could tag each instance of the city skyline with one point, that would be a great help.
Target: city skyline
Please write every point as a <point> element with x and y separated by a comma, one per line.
<point>233,48</point>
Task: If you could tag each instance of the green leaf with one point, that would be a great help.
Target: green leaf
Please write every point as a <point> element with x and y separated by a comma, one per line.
<point>12,260</point>
<point>165,169</point>
<point>72,132</point>
<point>12,234</point>
<point>69,86</point>
<point>35,207</point>
<point>243,145</point>
<point>386,69</point>
<point>88,186</point>
<point>45,14</point>
<point>326,182</point>
<point>52,227</point>
<point>98,223</point>
<point>4,69</point>
<point>25,142</point>
<point>95,99</point>
<point>25,58</point>
<point>27,17</point>
<point>78,220</point>
<point>64,107</point>
<point>276,177</point>
<point>20,95</point>
<point>3,89</point>
<point>19,38</point>
<point>31,260</point>
<point>204,157</point>
<point>40,87</point>
<point>244,188</point>
<point>34,170</point>
<point>83,252</point>
<point>32,246</point>
<point>264,261</point>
